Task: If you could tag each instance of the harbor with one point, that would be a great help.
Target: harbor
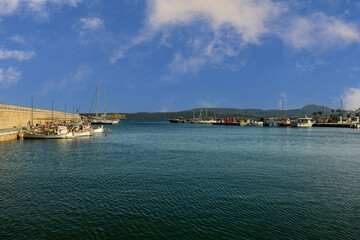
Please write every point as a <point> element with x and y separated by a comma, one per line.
<point>150,175</point>
<point>17,122</point>
<point>298,122</point>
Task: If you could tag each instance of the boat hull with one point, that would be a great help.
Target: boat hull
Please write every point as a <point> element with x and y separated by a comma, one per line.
<point>43,136</point>
<point>284,124</point>
<point>105,122</point>
<point>99,129</point>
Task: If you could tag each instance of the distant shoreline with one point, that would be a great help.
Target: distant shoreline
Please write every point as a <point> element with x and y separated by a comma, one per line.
<point>307,110</point>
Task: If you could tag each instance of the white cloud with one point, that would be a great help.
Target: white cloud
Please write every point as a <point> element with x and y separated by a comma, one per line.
<point>351,99</point>
<point>221,29</point>
<point>91,23</point>
<point>319,30</point>
<point>9,7</point>
<point>118,54</point>
<point>228,24</point>
<point>308,66</point>
<point>17,38</point>
<point>181,65</point>
<point>9,76</point>
<point>16,54</point>
<point>141,38</point>
<point>75,81</point>
<point>249,18</point>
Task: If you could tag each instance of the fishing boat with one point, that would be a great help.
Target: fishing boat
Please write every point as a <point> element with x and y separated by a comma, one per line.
<point>254,122</point>
<point>59,132</point>
<point>303,122</point>
<point>270,123</point>
<point>80,133</point>
<point>99,129</point>
<point>206,120</point>
<point>178,120</point>
<point>285,123</point>
<point>102,120</point>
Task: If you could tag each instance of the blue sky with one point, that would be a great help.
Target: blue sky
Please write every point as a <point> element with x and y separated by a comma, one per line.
<point>171,55</point>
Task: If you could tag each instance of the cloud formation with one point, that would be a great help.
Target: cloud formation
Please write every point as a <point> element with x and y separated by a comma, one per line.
<point>17,38</point>
<point>308,66</point>
<point>9,76</point>
<point>319,30</point>
<point>9,7</point>
<point>180,65</point>
<point>74,81</point>
<point>16,54</point>
<point>91,23</point>
<point>351,99</point>
<point>222,29</point>
<point>248,18</point>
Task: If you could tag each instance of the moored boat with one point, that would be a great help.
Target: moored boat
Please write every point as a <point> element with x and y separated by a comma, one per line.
<point>285,123</point>
<point>178,120</point>
<point>303,122</point>
<point>58,132</point>
<point>103,120</point>
<point>255,123</point>
<point>99,129</point>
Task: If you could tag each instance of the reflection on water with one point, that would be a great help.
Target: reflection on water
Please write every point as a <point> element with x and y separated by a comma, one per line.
<point>153,179</point>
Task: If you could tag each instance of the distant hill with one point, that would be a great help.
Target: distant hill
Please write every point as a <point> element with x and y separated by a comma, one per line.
<point>234,112</point>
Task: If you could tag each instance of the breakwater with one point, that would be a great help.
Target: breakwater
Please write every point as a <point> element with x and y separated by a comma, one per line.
<point>14,118</point>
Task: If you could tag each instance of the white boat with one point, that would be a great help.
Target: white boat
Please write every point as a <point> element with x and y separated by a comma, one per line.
<point>255,123</point>
<point>82,133</point>
<point>99,129</point>
<point>58,133</point>
<point>207,121</point>
<point>201,120</point>
<point>303,122</point>
<point>102,119</point>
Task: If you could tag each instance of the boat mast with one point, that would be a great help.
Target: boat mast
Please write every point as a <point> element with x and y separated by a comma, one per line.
<point>52,111</point>
<point>97,101</point>
<point>282,106</point>
<point>32,110</point>
<point>104,101</point>
<point>65,112</point>
<point>206,107</point>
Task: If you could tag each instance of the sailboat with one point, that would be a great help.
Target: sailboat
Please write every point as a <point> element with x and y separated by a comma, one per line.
<point>102,119</point>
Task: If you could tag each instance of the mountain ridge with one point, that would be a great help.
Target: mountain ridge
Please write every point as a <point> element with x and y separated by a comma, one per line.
<point>235,112</point>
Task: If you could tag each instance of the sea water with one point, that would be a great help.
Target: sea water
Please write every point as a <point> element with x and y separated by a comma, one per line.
<point>150,179</point>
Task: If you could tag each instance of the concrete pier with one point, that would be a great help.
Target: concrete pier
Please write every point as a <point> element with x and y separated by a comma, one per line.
<point>232,123</point>
<point>10,134</point>
<point>337,125</point>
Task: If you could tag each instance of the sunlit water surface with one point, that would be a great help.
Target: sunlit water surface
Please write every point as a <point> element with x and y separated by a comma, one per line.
<point>150,179</point>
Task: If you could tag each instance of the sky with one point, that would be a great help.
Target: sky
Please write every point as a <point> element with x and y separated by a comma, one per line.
<point>173,55</point>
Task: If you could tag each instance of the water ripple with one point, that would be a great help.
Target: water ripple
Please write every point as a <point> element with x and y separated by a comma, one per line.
<point>154,180</point>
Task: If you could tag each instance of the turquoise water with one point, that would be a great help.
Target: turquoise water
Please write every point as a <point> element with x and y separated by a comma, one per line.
<point>150,179</point>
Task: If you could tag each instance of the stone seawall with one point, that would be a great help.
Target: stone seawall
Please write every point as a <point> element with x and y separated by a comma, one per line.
<point>16,116</point>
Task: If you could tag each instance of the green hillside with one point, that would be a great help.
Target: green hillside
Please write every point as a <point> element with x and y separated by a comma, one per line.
<point>233,112</point>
